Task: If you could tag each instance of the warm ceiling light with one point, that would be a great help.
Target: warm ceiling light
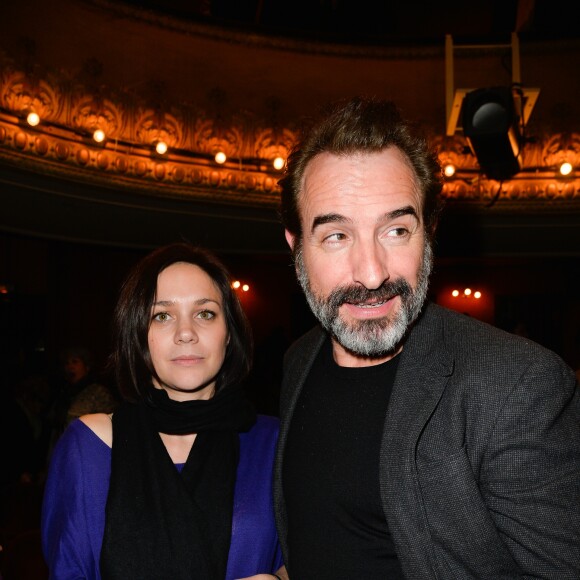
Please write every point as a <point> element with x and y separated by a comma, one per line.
<point>565,168</point>
<point>467,292</point>
<point>278,163</point>
<point>99,135</point>
<point>220,157</point>
<point>245,287</point>
<point>32,119</point>
<point>236,284</point>
<point>161,147</point>
<point>455,293</point>
<point>477,294</point>
<point>449,170</point>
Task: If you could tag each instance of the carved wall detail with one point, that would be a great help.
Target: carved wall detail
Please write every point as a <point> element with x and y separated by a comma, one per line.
<point>62,145</point>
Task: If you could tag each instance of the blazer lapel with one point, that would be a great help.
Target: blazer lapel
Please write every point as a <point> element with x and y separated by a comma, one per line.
<point>423,372</point>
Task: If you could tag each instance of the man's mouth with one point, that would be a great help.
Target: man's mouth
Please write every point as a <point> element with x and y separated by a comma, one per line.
<point>369,303</point>
<point>375,305</point>
<point>369,308</point>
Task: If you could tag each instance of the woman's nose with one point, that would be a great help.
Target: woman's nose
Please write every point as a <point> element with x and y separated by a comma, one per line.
<point>185,332</point>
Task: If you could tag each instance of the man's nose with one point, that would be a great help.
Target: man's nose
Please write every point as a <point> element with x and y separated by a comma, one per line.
<point>369,263</point>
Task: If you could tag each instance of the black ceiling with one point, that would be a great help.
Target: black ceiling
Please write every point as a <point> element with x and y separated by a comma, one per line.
<point>383,22</point>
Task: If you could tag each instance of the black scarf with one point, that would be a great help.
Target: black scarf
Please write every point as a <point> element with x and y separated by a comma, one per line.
<point>159,523</point>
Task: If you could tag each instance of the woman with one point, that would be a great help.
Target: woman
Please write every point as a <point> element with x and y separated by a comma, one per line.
<point>176,483</point>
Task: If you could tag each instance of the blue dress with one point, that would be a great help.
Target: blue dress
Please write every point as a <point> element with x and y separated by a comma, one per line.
<point>73,511</point>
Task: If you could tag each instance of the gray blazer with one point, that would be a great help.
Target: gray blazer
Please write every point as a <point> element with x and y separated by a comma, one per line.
<point>480,455</point>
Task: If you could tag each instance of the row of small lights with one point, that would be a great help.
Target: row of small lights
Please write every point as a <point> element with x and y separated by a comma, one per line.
<point>565,169</point>
<point>467,293</point>
<point>161,147</point>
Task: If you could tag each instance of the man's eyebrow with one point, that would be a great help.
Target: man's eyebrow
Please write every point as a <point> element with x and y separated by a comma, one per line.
<point>339,218</point>
<point>326,219</point>
<point>407,210</point>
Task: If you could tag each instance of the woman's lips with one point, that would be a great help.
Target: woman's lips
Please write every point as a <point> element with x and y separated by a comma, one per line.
<point>187,360</point>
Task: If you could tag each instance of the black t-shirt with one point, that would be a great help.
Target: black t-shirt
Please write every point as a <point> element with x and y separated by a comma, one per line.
<point>337,529</point>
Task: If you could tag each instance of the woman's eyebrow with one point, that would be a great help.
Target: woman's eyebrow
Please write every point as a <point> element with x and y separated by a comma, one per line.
<point>199,301</point>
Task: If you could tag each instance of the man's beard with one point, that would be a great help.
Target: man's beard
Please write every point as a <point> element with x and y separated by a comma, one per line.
<point>371,337</point>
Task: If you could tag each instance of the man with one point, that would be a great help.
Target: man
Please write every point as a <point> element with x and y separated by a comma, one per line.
<point>415,442</point>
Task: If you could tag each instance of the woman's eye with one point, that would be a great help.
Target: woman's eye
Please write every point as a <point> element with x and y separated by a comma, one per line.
<point>161,317</point>
<point>206,315</point>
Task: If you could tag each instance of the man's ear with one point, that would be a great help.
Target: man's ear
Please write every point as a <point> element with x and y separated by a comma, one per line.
<point>290,238</point>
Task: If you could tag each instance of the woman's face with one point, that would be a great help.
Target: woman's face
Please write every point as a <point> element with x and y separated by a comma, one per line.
<point>188,333</point>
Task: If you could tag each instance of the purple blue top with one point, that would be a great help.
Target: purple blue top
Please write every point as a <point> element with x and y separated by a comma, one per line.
<point>73,511</point>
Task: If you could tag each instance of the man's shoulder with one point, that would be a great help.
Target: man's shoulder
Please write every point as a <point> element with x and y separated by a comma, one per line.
<point>462,333</point>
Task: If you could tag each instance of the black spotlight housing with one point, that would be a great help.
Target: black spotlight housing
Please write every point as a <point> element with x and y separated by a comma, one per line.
<point>491,126</point>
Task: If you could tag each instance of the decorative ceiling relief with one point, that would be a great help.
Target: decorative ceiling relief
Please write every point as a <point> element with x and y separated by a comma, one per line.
<point>151,146</point>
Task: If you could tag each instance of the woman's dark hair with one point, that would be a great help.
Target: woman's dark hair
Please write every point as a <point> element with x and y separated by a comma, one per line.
<point>362,125</point>
<point>131,360</point>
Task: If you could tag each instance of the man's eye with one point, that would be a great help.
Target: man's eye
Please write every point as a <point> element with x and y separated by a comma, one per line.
<point>397,232</point>
<point>336,237</point>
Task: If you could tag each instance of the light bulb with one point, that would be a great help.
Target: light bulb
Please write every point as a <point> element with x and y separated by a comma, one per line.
<point>161,147</point>
<point>99,135</point>
<point>449,170</point>
<point>33,119</point>
<point>565,168</point>
<point>278,163</point>
<point>245,287</point>
<point>236,284</point>
<point>220,157</point>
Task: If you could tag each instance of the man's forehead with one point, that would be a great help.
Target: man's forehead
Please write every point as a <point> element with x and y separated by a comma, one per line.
<point>383,181</point>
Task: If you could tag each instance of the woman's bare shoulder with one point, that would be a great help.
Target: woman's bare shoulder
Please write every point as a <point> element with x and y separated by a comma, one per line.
<point>101,425</point>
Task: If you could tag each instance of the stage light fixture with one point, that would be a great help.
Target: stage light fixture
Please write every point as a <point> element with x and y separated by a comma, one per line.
<point>491,127</point>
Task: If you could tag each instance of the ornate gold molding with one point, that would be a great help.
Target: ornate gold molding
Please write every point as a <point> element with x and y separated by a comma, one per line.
<point>62,146</point>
